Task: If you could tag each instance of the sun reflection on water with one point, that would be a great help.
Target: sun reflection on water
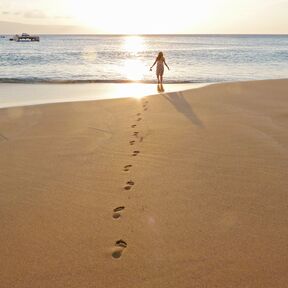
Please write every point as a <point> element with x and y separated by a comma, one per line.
<point>89,54</point>
<point>134,44</point>
<point>133,68</point>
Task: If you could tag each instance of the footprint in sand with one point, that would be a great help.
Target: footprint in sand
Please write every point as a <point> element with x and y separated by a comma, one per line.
<point>135,153</point>
<point>141,139</point>
<point>133,126</point>
<point>132,142</point>
<point>129,185</point>
<point>145,109</point>
<point>120,245</point>
<point>135,134</point>
<point>138,114</point>
<point>117,212</point>
<point>127,168</point>
<point>139,119</point>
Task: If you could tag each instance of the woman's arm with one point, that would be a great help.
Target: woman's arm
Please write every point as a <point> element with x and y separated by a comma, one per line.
<point>166,65</point>
<point>153,64</point>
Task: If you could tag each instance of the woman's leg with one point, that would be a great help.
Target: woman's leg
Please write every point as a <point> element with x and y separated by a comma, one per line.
<point>161,78</point>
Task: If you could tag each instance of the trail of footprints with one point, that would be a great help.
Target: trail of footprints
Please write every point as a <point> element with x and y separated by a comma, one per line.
<point>121,245</point>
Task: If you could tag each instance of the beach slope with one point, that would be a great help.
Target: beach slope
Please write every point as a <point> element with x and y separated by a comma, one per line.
<point>184,189</point>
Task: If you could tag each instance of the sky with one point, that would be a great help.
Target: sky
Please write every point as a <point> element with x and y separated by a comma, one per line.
<point>145,16</point>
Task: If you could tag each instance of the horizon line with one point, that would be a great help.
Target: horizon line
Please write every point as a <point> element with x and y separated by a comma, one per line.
<point>160,34</point>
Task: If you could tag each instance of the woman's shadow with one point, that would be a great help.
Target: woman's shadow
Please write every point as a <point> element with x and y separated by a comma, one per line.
<point>179,102</point>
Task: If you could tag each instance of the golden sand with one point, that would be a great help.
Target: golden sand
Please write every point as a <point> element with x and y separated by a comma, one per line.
<point>187,189</point>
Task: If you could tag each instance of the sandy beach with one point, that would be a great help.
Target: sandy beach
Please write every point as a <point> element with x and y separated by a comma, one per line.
<point>182,189</point>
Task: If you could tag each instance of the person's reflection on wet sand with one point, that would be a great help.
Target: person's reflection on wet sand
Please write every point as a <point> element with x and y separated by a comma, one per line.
<point>160,88</point>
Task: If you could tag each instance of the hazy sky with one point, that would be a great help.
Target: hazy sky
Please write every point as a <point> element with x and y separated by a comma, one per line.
<point>146,16</point>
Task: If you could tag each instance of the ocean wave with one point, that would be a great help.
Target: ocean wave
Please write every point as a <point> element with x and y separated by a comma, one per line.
<point>87,81</point>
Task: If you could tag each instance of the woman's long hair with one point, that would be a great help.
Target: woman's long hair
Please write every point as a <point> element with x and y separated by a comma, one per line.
<point>160,56</point>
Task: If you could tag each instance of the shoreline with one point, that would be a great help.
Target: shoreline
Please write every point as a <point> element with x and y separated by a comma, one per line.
<point>54,81</point>
<point>30,94</point>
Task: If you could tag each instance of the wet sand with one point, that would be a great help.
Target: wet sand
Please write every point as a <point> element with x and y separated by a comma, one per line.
<point>15,95</point>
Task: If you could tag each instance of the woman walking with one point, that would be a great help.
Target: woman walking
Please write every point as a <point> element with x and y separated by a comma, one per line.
<point>160,60</point>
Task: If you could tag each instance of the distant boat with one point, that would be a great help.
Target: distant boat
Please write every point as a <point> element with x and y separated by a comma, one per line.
<point>24,37</point>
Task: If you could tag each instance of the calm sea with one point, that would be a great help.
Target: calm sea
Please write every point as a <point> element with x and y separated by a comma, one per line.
<point>193,59</point>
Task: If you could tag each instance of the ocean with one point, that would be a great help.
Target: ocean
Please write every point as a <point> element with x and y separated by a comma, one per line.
<point>113,59</point>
